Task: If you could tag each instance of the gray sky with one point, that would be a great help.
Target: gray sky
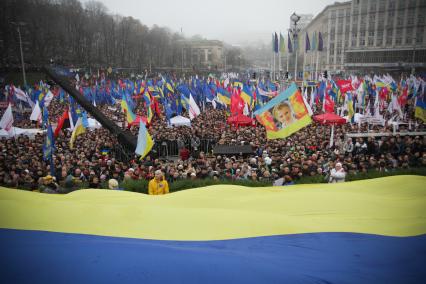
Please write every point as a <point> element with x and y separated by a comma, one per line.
<point>233,21</point>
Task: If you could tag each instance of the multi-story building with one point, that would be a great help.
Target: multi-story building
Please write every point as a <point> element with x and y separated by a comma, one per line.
<point>387,35</point>
<point>333,24</point>
<point>202,54</point>
<point>367,36</point>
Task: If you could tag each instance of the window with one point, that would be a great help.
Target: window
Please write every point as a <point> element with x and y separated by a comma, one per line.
<point>410,17</point>
<point>353,42</point>
<point>398,41</point>
<point>392,4</point>
<point>370,41</point>
<point>421,20</point>
<point>379,42</point>
<point>389,40</point>
<point>362,42</point>
<point>371,33</point>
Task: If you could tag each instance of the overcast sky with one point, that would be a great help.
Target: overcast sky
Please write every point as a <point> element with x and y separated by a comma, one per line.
<point>233,21</point>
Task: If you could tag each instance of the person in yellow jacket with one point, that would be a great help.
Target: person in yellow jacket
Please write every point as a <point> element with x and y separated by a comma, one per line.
<point>158,185</point>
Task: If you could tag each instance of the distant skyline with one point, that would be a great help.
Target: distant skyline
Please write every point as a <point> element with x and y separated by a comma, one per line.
<point>236,22</point>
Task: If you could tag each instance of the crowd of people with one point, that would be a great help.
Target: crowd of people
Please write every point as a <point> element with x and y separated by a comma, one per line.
<point>94,160</point>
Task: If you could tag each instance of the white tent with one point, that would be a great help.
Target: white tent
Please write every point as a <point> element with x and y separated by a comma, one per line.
<point>180,121</point>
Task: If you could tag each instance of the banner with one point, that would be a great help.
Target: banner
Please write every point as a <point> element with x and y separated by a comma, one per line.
<point>284,114</point>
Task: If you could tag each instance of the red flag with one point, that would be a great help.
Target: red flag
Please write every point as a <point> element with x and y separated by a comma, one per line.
<point>344,86</point>
<point>64,122</point>
<point>156,106</point>
<point>328,104</point>
<point>237,104</point>
<point>402,99</point>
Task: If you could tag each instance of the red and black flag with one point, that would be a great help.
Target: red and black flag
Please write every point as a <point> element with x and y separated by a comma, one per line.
<point>64,122</point>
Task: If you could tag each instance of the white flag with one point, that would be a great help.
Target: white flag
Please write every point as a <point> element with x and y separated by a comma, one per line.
<point>36,114</point>
<point>6,121</point>
<point>21,95</point>
<point>194,110</point>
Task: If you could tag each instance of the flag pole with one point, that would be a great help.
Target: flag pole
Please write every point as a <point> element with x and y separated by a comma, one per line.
<point>279,58</point>
<point>274,57</point>
<point>279,64</point>
<point>287,59</point>
<point>316,67</point>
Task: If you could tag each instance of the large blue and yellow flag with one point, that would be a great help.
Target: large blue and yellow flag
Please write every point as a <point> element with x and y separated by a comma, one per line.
<point>285,114</point>
<point>371,231</point>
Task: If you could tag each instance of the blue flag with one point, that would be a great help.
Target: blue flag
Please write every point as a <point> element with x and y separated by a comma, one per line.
<point>49,144</point>
<point>45,120</point>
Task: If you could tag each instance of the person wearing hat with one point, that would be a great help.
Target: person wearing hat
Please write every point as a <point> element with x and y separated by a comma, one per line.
<point>158,185</point>
<point>49,185</point>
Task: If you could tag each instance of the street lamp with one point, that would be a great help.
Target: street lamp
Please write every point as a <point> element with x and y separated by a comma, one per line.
<point>18,25</point>
<point>294,31</point>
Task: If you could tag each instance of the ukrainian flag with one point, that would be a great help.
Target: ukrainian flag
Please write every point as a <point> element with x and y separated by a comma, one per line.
<point>145,142</point>
<point>247,96</point>
<point>130,116</point>
<point>371,231</point>
<point>223,96</point>
<point>420,111</point>
<point>78,130</point>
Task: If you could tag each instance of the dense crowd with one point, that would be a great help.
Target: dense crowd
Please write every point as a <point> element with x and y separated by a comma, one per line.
<point>94,160</point>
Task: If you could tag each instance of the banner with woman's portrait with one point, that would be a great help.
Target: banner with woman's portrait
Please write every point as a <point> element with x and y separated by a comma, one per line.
<point>285,114</point>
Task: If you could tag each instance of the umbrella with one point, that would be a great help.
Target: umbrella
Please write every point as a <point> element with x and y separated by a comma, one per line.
<point>330,119</point>
<point>240,120</point>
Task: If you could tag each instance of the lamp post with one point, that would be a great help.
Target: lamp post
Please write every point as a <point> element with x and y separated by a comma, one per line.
<point>18,25</point>
<point>294,31</point>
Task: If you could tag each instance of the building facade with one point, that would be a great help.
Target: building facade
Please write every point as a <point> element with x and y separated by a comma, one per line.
<point>202,54</point>
<point>367,36</point>
<point>387,35</point>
